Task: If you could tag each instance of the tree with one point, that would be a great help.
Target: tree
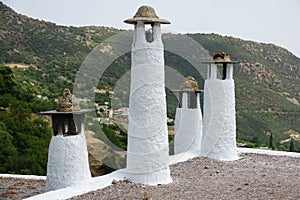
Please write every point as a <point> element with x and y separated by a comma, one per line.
<point>8,153</point>
<point>292,147</point>
<point>7,81</point>
<point>271,140</point>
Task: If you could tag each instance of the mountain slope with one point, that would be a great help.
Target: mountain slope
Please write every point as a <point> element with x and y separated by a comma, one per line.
<point>54,53</point>
<point>24,136</point>
<point>48,56</point>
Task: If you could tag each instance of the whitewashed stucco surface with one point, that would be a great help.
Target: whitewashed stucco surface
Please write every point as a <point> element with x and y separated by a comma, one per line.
<point>148,149</point>
<point>67,162</point>
<point>219,124</point>
<point>188,127</point>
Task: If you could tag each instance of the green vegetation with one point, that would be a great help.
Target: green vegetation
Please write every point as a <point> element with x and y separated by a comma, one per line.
<point>115,135</point>
<point>292,147</point>
<point>24,136</point>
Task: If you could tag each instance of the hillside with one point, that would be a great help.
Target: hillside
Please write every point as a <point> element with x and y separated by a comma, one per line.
<point>44,59</point>
<point>24,136</point>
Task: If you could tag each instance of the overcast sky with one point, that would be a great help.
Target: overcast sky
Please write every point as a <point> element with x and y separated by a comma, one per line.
<point>270,21</point>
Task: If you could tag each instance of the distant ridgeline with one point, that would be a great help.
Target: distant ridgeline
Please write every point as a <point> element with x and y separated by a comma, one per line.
<point>43,58</point>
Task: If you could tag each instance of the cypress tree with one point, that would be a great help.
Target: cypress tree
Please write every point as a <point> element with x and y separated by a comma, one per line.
<point>271,145</point>
<point>292,147</point>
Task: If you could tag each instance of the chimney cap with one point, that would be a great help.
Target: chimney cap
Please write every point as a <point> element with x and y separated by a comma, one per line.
<point>147,15</point>
<point>221,58</point>
<point>189,84</point>
<point>67,102</point>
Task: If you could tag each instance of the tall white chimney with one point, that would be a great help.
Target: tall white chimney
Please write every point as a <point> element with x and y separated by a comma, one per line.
<point>147,150</point>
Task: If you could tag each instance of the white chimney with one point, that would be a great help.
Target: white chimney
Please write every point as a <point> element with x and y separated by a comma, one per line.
<point>147,150</point>
<point>219,124</point>
<point>188,119</point>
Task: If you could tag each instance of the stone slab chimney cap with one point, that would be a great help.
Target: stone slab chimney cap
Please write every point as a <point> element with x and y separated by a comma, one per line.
<point>221,58</point>
<point>67,102</point>
<point>147,15</point>
<point>189,84</point>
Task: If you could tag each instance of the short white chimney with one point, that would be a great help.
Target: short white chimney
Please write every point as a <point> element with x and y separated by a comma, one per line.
<point>219,124</point>
<point>188,118</point>
<point>68,163</point>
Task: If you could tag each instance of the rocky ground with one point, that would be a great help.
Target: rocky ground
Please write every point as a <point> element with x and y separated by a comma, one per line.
<point>252,177</point>
<point>15,188</point>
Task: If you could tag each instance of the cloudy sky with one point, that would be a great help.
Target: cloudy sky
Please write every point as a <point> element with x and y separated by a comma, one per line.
<point>270,21</point>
